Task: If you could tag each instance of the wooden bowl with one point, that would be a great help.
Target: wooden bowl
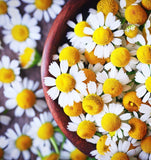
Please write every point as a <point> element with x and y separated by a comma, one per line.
<point>56,35</point>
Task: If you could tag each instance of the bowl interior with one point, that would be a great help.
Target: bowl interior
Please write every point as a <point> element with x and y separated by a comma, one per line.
<point>55,38</point>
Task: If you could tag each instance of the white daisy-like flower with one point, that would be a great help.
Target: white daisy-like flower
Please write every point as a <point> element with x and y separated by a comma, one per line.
<point>3,145</point>
<point>134,35</point>
<point>69,151</point>
<point>19,142</point>
<point>124,3</point>
<point>115,82</point>
<point>71,54</point>
<point>46,152</point>
<point>9,71</point>
<point>4,119</point>
<point>123,58</point>
<point>102,147</point>
<point>93,103</point>
<point>43,131</point>
<point>44,8</point>
<point>90,71</point>
<point>72,83</point>
<point>113,119</point>
<point>24,96</point>
<point>143,76</point>
<point>8,9</point>
<point>21,32</point>
<point>83,125</point>
<point>75,36</point>
<point>103,34</point>
<point>120,150</point>
<point>146,113</point>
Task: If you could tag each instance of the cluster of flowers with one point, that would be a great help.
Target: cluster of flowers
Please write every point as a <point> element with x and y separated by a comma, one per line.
<point>102,79</point>
<point>41,137</point>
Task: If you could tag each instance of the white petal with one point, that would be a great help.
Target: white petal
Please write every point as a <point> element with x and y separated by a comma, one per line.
<point>53,93</point>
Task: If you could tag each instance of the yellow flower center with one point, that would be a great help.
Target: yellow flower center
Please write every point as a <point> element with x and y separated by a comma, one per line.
<point>131,31</point>
<point>86,129</point>
<point>120,57</point>
<point>138,128</point>
<point>53,156</point>
<point>26,99</point>
<point>92,59</point>
<point>135,14</point>
<point>110,122</point>
<point>148,84</point>
<point>20,33</point>
<point>145,144</point>
<point>120,156</point>
<point>65,82</point>
<point>6,75</point>
<point>107,6</point>
<point>1,153</point>
<point>71,54</point>
<point>90,75</point>
<point>146,4</point>
<point>113,87</point>
<point>102,36</point>
<point>77,155</point>
<point>43,4</point>
<point>144,54</point>
<point>26,56</point>
<point>131,102</point>
<point>79,28</point>
<point>23,142</point>
<point>92,104</point>
<point>129,2</point>
<point>45,131</point>
<point>100,146</point>
<point>3,7</point>
<point>74,110</point>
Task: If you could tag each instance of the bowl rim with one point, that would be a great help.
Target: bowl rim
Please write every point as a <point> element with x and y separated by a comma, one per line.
<point>50,47</point>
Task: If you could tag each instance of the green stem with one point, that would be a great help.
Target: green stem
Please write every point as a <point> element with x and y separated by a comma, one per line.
<point>39,154</point>
<point>53,141</point>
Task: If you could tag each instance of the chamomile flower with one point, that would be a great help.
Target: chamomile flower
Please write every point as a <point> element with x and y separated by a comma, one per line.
<point>103,34</point>
<point>134,35</point>
<point>72,83</point>
<point>8,9</point>
<point>113,120</point>
<point>123,58</point>
<point>9,71</point>
<point>147,30</point>
<point>143,76</point>
<point>102,147</point>
<point>4,119</point>
<point>115,82</point>
<point>21,32</point>
<point>29,57</point>
<point>43,131</point>
<point>90,71</point>
<point>146,4</point>
<point>3,145</point>
<point>19,142</point>
<point>126,3</point>
<point>120,150</point>
<point>46,152</point>
<point>93,103</point>
<point>138,127</point>
<point>69,151</point>
<point>24,96</point>
<point>43,8</point>
<point>84,126</point>
<point>71,54</point>
<point>146,113</point>
<point>145,154</point>
<point>75,36</point>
